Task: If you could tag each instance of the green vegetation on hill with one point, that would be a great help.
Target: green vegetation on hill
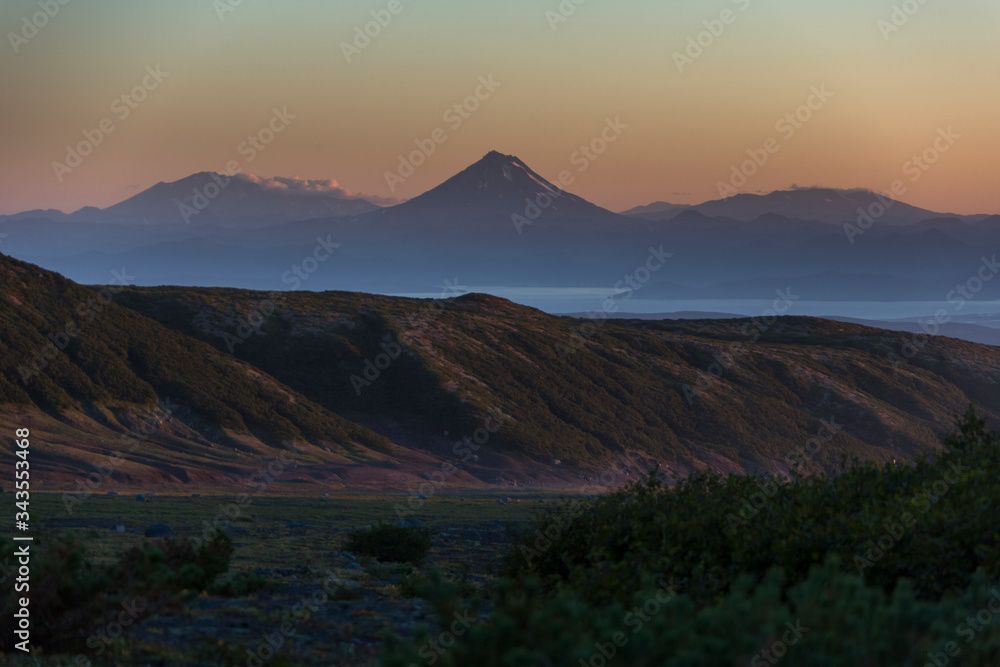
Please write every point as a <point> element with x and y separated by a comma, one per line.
<point>315,345</point>
<point>67,347</point>
<point>350,372</point>
<point>582,391</point>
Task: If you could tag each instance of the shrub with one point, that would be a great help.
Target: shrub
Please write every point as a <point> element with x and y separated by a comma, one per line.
<point>73,597</point>
<point>891,565</point>
<point>174,565</point>
<point>931,521</point>
<point>831,618</point>
<point>389,543</point>
<point>420,584</point>
<point>239,584</point>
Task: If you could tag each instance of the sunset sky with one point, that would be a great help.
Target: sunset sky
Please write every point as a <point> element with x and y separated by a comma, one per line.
<point>559,81</point>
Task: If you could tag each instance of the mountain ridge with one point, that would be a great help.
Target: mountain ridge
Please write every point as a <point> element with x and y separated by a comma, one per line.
<point>819,204</point>
<point>803,203</point>
<point>207,198</point>
<point>374,390</point>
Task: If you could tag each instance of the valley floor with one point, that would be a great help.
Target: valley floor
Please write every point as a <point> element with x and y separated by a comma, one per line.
<point>295,544</point>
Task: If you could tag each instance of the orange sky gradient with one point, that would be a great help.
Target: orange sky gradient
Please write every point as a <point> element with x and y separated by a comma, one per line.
<point>355,114</point>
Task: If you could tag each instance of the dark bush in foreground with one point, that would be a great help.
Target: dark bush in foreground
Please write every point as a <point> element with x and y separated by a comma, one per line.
<point>892,565</point>
<point>175,566</point>
<point>830,619</point>
<point>389,543</point>
<point>74,601</point>
<point>239,584</point>
<point>932,521</point>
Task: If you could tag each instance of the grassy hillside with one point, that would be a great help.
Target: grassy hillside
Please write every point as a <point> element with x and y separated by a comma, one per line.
<point>581,391</point>
<point>72,354</point>
<point>246,373</point>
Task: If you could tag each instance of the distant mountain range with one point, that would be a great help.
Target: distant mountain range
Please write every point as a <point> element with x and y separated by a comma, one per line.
<point>500,223</point>
<point>829,205</point>
<point>210,198</point>
<point>496,185</point>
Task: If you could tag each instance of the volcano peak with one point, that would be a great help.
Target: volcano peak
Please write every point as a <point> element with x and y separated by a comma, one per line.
<point>496,185</point>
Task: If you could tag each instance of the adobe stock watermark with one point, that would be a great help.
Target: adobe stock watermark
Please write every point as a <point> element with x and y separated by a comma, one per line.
<point>915,168</point>
<point>786,126</point>
<point>223,7</point>
<point>900,16</point>
<point>561,520</point>
<point>455,116</point>
<point>122,106</point>
<point>59,340</point>
<point>252,324</point>
<point>299,613</point>
<point>267,474</point>
<point>807,452</point>
<point>299,273</point>
<point>768,486</point>
<point>363,35</point>
<point>99,641</point>
<point>465,448</point>
<point>752,330</point>
<point>587,153</point>
<point>778,649</point>
<point>262,310</point>
<point>248,149</point>
<point>628,285</point>
<point>714,28</point>
<point>930,494</point>
<point>87,485</point>
<point>392,345</point>
<point>30,26</point>
<point>581,158</point>
<point>562,12</point>
<point>956,298</point>
<point>968,629</point>
<point>635,620</point>
<point>432,650</point>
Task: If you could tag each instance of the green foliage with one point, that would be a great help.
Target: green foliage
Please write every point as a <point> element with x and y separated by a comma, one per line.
<point>72,597</point>
<point>114,355</point>
<point>420,584</point>
<point>576,390</point>
<point>830,618</point>
<point>239,584</point>
<point>413,584</point>
<point>389,543</point>
<point>583,390</point>
<point>934,518</point>
<point>314,343</point>
<point>175,564</point>
<point>885,565</point>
